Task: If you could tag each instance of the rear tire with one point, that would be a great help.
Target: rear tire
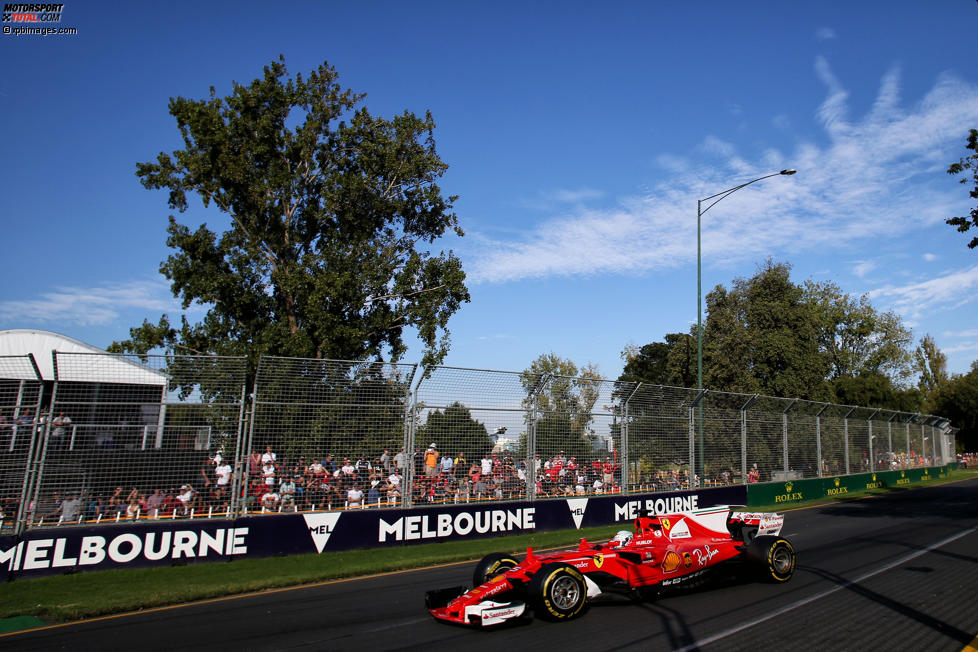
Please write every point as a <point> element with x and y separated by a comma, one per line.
<point>491,565</point>
<point>773,557</point>
<point>557,592</point>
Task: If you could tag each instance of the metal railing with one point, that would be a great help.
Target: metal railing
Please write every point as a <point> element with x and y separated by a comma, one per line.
<point>152,437</point>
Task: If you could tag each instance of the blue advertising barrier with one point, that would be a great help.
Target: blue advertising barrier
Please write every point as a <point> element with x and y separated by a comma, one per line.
<point>163,543</point>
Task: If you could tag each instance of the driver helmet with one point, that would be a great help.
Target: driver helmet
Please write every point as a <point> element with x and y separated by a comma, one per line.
<point>623,537</point>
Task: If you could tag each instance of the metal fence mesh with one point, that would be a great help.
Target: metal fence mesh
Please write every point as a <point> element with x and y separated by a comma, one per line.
<point>20,402</point>
<point>132,437</point>
<point>169,436</point>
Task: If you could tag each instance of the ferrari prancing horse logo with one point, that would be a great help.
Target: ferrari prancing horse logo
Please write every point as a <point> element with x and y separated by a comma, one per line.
<point>598,561</point>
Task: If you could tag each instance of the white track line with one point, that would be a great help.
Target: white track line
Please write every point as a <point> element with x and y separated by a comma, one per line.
<point>818,596</point>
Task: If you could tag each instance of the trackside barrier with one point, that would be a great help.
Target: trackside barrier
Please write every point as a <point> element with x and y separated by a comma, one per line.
<point>796,492</point>
<point>66,550</point>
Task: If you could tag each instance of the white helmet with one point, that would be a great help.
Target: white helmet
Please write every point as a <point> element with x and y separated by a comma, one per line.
<point>623,537</point>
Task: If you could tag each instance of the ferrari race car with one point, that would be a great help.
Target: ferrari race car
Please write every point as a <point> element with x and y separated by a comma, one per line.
<point>663,552</point>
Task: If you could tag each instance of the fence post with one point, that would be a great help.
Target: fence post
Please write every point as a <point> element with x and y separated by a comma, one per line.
<point>784,434</point>
<point>410,432</point>
<point>845,437</point>
<point>743,437</point>
<point>692,430</point>
<point>869,435</point>
<point>625,441</point>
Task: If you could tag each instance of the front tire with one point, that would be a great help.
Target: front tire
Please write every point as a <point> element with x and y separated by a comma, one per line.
<point>557,592</point>
<point>773,557</point>
<point>491,565</point>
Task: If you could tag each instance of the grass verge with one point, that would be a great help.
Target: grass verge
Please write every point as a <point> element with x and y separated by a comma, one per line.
<point>86,595</point>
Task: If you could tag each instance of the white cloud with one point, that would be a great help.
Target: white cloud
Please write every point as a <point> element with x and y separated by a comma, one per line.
<point>90,306</point>
<point>930,257</point>
<point>962,348</point>
<point>863,268</point>
<point>952,290</point>
<point>869,181</point>
<point>968,333</point>
<point>565,196</point>
<point>825,34</point>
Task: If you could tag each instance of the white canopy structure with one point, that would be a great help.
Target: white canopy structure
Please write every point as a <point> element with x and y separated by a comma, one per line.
<point>93,365</point>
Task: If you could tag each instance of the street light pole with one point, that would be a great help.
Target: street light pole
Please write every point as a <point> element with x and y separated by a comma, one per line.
<point>699,292</point>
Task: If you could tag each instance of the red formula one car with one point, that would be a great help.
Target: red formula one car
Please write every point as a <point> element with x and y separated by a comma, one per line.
<point>664,551</point>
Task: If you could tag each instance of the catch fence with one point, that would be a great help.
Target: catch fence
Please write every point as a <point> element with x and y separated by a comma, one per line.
<point>147,437</point>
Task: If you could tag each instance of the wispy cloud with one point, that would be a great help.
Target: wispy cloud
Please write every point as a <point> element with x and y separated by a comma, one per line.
<point>863,268</point>
<point>825,34</point>
<point>930,257</point>
<point>953,289</point>
<point>872,177</point>
<point>90,306</point>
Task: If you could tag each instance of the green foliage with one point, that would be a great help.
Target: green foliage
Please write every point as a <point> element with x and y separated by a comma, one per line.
<point>672,362</point>
<point>965,164</point>
<point>873,389</point>
<point>767,335</point>
<point>854,337</point>
<point>330,212</point>
<point>931,363</point>
<point>958,401</point>
<point>761,337</point>
<point>564,399</point>
<point>456,432</point>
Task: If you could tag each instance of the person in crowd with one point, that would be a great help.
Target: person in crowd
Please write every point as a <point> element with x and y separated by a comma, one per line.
<point>385,461</point>
<point>363,466</point>
<point>154,502</point>
<point>286,492</point>
<point>71,508</point>
<point>431,461</point>
<point>268,456</point>
<point>186,498</point>
<point>393,486</point>
<point>354,496</point>
<point>270,501</point>
<point>222,483</point>
<point>254,464</point>
<point>401,461</point>
<point>268,474</point>
<point>486,464</point>
<point>59,433</point>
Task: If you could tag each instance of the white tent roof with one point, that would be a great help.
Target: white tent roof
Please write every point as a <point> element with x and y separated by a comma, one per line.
<point>103,368</point>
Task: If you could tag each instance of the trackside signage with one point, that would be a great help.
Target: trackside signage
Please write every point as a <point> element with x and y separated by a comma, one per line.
<point>71,549</point>
<point>800,491</point>
<point>111,547</point>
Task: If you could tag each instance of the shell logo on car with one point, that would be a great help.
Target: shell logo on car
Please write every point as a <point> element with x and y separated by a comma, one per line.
<point>671,562</point>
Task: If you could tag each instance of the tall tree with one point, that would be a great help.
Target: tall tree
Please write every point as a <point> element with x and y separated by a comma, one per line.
<point>760,337</point>
<point>963,166</point>
<point>456,431</point>
<point>672,362</point>
<point>855,338</point>
<point>931,363</point>
<point>565,398</point>
<point>331,215</point>
<point>958,401</point>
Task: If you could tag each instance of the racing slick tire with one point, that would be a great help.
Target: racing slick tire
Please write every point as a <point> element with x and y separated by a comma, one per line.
<point>491,565</point>
<point>557,592</point>
<point>773,557</point>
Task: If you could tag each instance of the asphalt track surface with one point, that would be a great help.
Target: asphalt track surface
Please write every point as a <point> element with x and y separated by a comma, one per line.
<point>891,573</point>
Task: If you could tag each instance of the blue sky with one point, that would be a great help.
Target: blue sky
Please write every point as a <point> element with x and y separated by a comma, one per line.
<point>579,138</point>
